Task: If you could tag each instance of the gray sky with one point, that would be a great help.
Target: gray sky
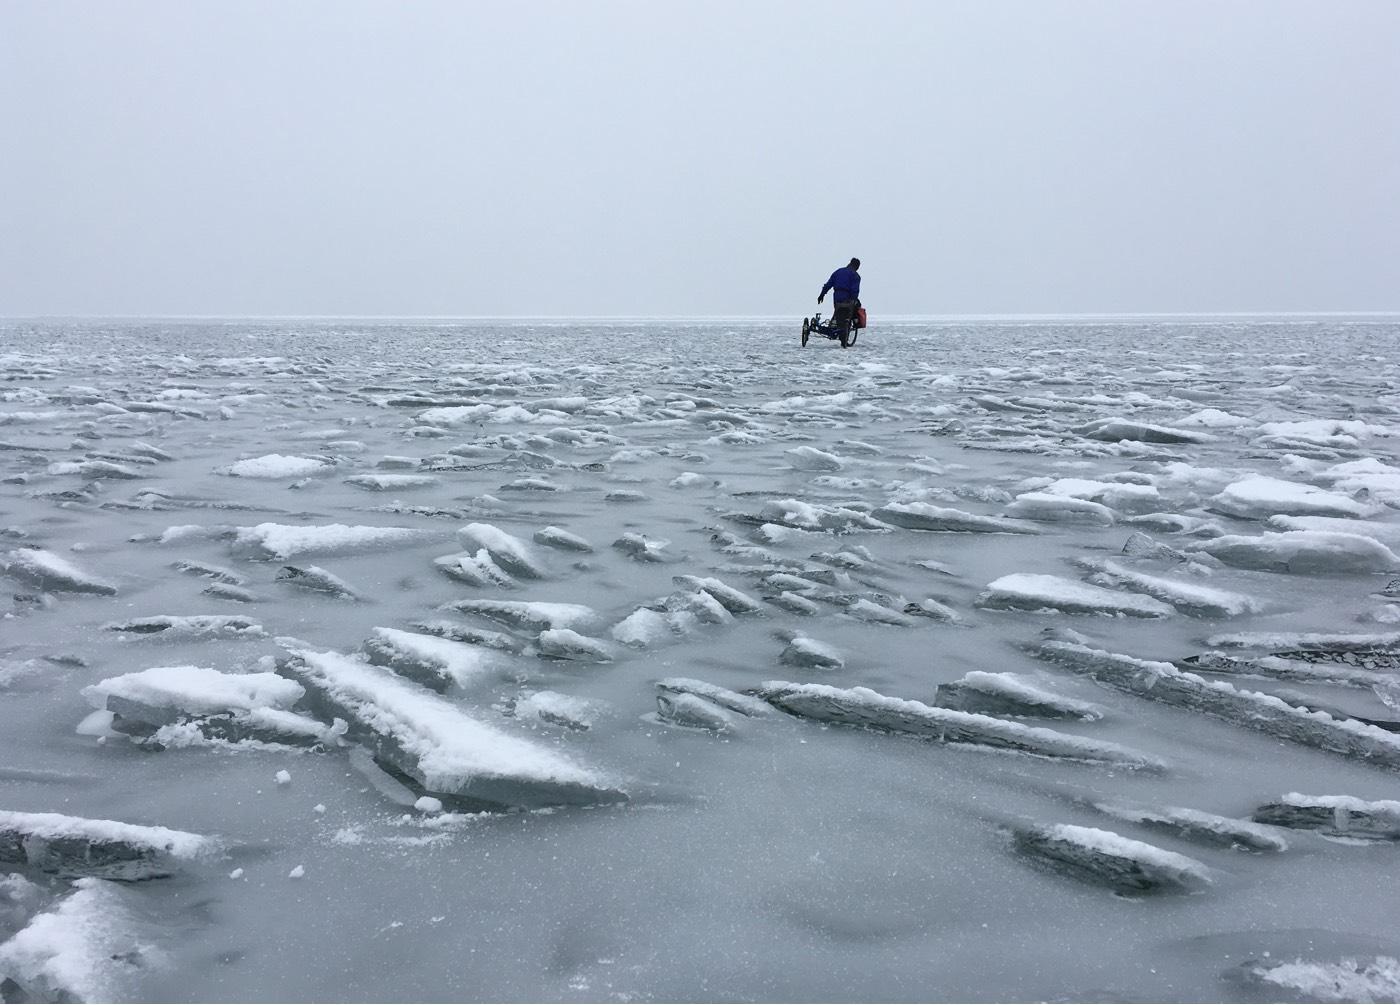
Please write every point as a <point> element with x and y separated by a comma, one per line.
<point>586,158</point>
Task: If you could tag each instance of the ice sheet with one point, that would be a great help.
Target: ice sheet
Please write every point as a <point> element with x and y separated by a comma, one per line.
<point>859,499</point>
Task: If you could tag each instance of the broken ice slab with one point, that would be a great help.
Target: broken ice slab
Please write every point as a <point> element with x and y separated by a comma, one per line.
<point>734,701</point>
<point>802,651</point>
<point>190,626</point>
<point>1189,598</point>
<point>877,614</point>
<point>1387,534</point>
<point>935,610</point>
<point>693,712</point>
<point>215,572</point>
<point>533,615</point>
<point>1115,429</point>
<point>648,626</point>
<point>1279,668</point>
<point>566,644</point>
<point>924,516</point>
<point>1259,497</point>
<point>458,632</point>
<point>860,706</point>
<point>1302,551</point>
<point>1335,816</point>
<point>1350,978</point>
<point>105,470</point>
<point>431,660</point>
<point>1139,545</point>
<point>438,747</point>
<point>638,547</point>
<point>477,569</point>
<point>109,849</point>
<point>794,603</point>
<point>317,580</point>
<point>1048,507</point>
<point>803,515</point>
<point>223,591</point>
<point>1266,713</point>
<point>1198,826</point>
<point>1004,694</point>
<point>184,705</point>
<point>390,483</point>
<point>44,570</point>
<point>1109,859</point>
<point>1315,645</point>
<point>507,551</point>
<point>1024,591</point>
<point>734,601</point>
<point>555,537</point>
<point>277,541</point>
<point>87,948</point>
<point>555,708</point>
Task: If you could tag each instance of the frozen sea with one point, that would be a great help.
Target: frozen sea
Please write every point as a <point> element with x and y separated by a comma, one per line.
<point>1024,507</point>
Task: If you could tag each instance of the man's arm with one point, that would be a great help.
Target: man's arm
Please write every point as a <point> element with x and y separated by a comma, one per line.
<point>822,295</point>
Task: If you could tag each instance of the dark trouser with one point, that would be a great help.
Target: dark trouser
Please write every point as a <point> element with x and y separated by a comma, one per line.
<point>844,314</point>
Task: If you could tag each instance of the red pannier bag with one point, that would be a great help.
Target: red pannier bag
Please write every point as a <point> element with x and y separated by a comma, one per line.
<point>860,317</point>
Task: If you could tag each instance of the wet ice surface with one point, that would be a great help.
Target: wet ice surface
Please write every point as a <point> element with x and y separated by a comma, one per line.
<point>525,528</point>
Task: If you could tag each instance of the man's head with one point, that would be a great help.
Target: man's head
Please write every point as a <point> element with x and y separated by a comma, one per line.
<point>855,264</point>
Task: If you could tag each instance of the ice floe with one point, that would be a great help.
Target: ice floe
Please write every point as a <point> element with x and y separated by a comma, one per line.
<point>1260,497</point>
<point>1023,591</point>
<point>924,516</point>
<point>1005,694</point>
<point>1336,816</point>
<point>46,571</point>
<point>1266,713</point>
<point>182,706</point>
<point>449,754</point>
<point>868,709</point>
<point>1303,552</point>
<point>435,662</point>
<point>106,849</point>
<point>284,541</point>
<point>1188,598</point>
<point>1109,859</point>
<point>277,466</point>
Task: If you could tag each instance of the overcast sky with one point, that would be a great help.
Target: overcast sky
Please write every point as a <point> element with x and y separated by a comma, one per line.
<point>668,157</point>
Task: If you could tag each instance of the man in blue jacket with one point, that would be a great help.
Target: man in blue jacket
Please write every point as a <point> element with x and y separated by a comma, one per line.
<point>845,286</point>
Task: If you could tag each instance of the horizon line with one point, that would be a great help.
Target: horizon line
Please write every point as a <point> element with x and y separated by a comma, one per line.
<point>893,318</point>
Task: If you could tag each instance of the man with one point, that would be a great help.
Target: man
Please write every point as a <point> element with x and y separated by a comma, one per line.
<point>845,286</point>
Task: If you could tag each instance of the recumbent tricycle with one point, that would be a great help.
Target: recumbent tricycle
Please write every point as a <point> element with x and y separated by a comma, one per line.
<point>843,326</point>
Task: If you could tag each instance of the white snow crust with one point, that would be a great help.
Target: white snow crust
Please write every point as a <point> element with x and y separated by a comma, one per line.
<point>451,747</point>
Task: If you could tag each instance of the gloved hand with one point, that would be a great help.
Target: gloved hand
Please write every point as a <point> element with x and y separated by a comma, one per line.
<point>821,297</point>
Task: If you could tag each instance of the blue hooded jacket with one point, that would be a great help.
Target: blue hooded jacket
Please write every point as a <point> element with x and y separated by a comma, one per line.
<point>846,282</point>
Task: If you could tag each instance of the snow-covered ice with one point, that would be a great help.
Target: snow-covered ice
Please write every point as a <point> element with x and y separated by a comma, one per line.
<point>557,565</point>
